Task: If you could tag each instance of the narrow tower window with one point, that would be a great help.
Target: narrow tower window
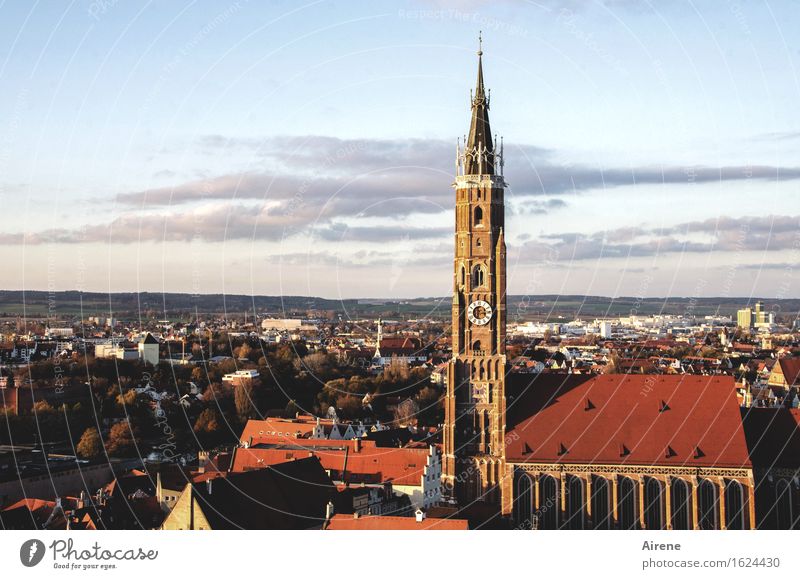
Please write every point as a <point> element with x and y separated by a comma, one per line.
<point>477,276</point>
<point>478,217</point>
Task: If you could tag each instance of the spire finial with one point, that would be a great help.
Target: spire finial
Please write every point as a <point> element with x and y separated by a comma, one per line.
<point>480,42</point>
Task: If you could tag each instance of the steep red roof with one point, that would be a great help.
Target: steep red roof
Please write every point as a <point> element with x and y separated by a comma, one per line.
<point>383,523</point>
<point>628,419</point>
<point>773,436</point>
<point>791,369</point>
<point>32,504</point>
<point>368,464</point>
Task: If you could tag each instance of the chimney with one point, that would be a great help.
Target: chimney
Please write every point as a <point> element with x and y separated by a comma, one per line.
<point>209,485</point>
<point>419,515</point>
<point>356,445</point>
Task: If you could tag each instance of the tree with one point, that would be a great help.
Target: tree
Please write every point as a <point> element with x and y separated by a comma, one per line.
<point>121,440</point>
<point>243,397</point>
<point>613,365</point>
<point>319,364</point>
<point>90,444</point>
<point>397,370</point>
<point>244,351</point>
<point>207,422</point>
<point>406,413</point>
<point>349,407</point>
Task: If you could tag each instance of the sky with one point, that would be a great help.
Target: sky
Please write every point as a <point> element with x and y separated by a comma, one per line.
<point>291,148</point>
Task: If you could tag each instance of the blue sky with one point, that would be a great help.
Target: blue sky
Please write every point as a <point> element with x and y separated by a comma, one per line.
<point>308,148</point>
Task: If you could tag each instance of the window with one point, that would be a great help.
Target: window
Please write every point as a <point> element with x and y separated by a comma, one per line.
<point>784,517</point>
<point>476,346</point>
<point>681,507</point>
<point>708,507</point>
<point>734,505</point>
<point>547,513</point>
<point>478,221</point>
<point>601,513</point>
<point>463,275</point>
<point>626,504</point>
<point>523,502</point>
<point>575,503</point>
<point>653,508</point>
<point>478,277</point>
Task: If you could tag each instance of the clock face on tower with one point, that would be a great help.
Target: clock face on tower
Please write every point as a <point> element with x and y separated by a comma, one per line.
<point>479,312</point>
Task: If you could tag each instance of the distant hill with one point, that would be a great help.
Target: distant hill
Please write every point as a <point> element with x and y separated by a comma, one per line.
<point>173,306</point>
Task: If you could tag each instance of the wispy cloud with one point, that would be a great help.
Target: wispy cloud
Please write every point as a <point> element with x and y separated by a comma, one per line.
<point>314,184</point>
<point>767,233</point>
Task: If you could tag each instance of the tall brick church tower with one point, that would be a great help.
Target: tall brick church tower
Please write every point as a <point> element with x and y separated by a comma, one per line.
<point>475,403</point>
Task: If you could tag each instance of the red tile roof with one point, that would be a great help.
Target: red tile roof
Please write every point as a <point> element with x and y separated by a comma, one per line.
<point>628,419</point>
<point>370,464</point>
<point>383,523</point>
<point>791,369</point>
<point>260,429</point>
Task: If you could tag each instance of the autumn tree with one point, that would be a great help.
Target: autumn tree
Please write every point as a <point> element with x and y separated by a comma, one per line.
<point>397,370</point>
<point>90,444</point>
<point>243,398</point>
<point>244,351</point>
<point>613,365</point>
<point>208,422</point>
<point>319,364</point>
<point>406,413</point>
<point>121,441</point>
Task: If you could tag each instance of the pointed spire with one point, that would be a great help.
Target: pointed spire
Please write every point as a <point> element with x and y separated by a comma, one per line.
<point>479,150</point>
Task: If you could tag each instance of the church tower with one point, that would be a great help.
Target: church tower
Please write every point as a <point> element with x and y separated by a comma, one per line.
<point>475,403</point>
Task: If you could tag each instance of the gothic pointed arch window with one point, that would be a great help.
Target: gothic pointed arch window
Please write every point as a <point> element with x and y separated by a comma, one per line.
<point>626,504</point>
<point>653,505</point>
<point>734,505</point>
<point>784,515</point>
<point>478,276</point>
<point>708,506</point>
<point>463,276</point>
<point>523,501</point>
<point>478,220</point>
<point>680,505</point>
<point>601,512</point>
<point>476,346</point>
<point>547,512</point>
<point>575,503</point>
